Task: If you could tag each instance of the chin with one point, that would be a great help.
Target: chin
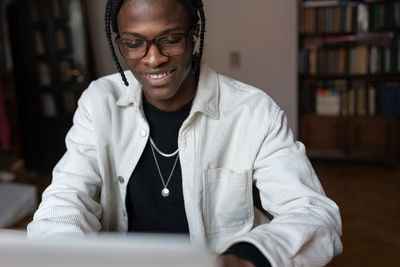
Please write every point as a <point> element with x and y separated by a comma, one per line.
<point>161,93</point>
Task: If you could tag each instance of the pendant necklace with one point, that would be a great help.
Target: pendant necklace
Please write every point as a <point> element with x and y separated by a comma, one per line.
<point>165,190</point>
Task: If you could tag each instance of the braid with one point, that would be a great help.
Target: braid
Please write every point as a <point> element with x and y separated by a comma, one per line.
<point>196,66</point>
<point>194,8</point>
<point>108,18</point>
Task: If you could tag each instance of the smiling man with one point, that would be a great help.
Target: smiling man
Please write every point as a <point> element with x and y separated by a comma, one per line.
<point>174,147</point>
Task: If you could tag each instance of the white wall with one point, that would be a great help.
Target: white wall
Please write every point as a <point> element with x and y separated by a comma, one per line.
<point>103,61</point>
<point>263,32</point>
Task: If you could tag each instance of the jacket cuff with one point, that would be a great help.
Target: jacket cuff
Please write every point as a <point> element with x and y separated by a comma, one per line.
<point>248,252</point>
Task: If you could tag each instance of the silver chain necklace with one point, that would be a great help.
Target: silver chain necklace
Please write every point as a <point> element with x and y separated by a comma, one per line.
<point>165,190</point>
<point>162,153</point>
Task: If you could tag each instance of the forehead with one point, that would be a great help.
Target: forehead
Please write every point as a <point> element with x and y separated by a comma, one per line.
<point>152,16</point>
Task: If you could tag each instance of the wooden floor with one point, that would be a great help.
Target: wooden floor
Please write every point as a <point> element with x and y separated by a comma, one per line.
<point>369,199</point>
<point>368,196</point>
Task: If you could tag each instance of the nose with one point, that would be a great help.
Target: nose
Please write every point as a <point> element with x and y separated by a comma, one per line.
<point>153,57</point>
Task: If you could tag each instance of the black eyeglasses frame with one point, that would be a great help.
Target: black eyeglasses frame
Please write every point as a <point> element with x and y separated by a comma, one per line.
<point>155,41</point>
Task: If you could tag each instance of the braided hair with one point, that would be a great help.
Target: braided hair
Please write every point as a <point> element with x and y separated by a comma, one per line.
<point>194,8</point>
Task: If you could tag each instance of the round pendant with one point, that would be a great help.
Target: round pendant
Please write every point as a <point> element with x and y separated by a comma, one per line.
<point>165,192</point>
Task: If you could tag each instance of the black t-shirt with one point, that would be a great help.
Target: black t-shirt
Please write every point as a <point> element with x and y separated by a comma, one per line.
<point>148,210</point>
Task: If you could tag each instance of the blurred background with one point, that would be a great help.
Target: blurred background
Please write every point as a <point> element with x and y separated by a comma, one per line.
<point>333,66</point>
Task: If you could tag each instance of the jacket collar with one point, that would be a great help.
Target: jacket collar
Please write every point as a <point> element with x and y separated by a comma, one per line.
<point>206,99</point>
<point>131,94</point>
<point>207,94</point>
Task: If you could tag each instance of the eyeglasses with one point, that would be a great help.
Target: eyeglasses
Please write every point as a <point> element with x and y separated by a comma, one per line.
<point>169,45</point>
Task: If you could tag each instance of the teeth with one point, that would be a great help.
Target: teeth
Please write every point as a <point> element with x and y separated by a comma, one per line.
<point>158,76</point>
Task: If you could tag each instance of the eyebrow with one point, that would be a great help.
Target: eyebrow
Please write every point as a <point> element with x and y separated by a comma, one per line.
<point>162,33</point>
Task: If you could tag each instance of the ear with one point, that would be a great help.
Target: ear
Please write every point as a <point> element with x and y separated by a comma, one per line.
<point>195,36</point>
<point>196,32</point>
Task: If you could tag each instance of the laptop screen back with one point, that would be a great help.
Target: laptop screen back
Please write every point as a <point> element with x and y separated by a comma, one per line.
<point>102,251</point>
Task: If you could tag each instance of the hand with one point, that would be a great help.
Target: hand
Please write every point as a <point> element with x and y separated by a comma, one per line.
<point>230,260</point>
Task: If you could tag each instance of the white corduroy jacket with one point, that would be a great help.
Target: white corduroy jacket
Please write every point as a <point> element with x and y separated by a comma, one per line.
<point>234,136</point>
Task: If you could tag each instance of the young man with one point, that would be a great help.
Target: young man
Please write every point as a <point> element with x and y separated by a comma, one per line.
<point>175,147</point>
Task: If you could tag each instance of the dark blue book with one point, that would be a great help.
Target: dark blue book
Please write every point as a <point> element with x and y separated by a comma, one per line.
<point>397,102</point>
<point>343,18</point>
<point>388,99</point>
<point>382,101</point>
<point>390,16</point>
<point>394,51</point>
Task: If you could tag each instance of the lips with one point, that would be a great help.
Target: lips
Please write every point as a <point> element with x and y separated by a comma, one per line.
<point>159,78</point>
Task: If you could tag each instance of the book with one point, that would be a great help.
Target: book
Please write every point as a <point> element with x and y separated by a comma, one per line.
<point>34,13</point>
<point>394,55</point>
<point>344,103</point>
<point>61,39</point>
<point>398,52</point>
<point>332,67</point>
<point>328,102</point>
<point>359,59</point>
<point>320,18</point>
<point>39,43</point>
<point>361,100</point>
<point>341,61</point>
<point>349,18</point>
<point>396,14</point>
<point>44,74</point>
<point>387,59</point>
<point>382,58</point>
<point>336,19</point>
<point>65,67</point>
<point>371,100</point>
<point>313,62</point>
<point>69,100</point>
<point>48,105</point>
<point>362,19</point>
<point>303,61</point>
<point>351,98</point>
<point>320,3</point>
<point>56,9</point>
<point>373,60</point>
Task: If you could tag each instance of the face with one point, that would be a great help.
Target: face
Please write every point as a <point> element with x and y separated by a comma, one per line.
<point>168,82</point>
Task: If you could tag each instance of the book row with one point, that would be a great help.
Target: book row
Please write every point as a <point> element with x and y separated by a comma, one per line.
<point>334,98</point>
<point>68,73</point>
<point>62,42</point>
<point>353,60</point>
<point>347,18</point>
<point>59,9</point>
<point>52,106</point>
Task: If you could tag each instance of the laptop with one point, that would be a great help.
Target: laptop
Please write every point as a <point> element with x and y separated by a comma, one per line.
<point>109,250</point>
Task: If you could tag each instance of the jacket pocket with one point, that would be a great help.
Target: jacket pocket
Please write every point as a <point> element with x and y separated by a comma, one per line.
<point>227,198</point>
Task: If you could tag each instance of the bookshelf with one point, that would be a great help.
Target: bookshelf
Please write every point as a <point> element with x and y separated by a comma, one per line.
<point>349,79</point>
<point>9,128</point>
<point>51,66</point>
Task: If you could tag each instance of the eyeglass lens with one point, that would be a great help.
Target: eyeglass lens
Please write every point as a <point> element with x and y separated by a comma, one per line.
<point>168,45</point>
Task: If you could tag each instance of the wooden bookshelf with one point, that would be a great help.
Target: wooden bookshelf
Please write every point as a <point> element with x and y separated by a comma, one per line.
<point>52,66</point>
<point>349,79</point>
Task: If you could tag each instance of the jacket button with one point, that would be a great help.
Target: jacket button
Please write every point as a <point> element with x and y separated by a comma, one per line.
<point>121,179</point>
<point>143,133</point>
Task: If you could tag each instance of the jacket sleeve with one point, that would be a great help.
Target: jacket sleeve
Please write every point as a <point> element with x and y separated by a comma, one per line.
<point>306,227</point>
<point>68,205</point>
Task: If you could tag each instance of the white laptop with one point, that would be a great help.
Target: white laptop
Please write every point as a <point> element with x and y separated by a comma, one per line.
<point>102,251</point>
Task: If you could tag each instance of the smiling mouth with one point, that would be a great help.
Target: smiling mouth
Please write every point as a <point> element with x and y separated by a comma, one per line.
<point>158,76</point>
